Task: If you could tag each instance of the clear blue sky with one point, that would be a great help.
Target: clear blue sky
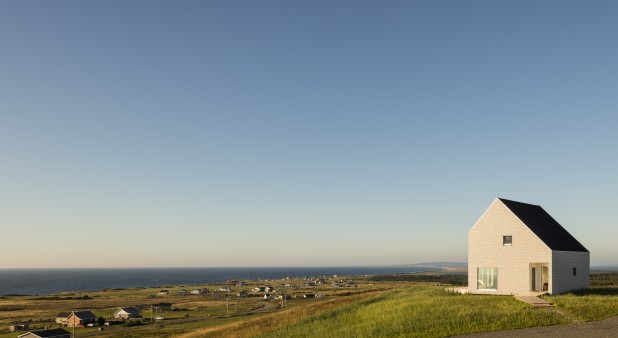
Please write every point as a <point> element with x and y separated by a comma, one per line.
<point>298,133</point>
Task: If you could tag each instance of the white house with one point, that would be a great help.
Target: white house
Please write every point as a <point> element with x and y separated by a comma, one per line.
<point>127,313</point>
<point>53,333</point>
<point>516,248</point>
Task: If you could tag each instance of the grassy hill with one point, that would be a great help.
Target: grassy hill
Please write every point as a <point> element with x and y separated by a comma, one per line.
<point>420,311</point>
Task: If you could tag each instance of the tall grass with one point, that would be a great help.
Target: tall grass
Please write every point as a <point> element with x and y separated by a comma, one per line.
<point>588,304</point>
<point>420,311</point>
<point>262,323</point>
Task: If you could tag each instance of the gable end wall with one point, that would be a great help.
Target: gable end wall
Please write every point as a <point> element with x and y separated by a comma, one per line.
<point>485,249</point>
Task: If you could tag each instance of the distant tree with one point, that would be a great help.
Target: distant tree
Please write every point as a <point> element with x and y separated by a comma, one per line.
<point>101,321</point>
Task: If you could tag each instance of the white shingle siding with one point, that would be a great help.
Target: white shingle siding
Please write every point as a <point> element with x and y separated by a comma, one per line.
<point>562,270</point>
<point>515,261</point>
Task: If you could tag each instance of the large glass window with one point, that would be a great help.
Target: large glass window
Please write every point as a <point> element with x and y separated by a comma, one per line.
<point>487,278</point>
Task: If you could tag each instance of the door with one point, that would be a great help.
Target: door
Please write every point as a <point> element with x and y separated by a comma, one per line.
<point>533,275</point>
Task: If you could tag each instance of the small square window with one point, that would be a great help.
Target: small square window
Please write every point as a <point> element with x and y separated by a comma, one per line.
<point>507,240</point>
<point>574,271</point>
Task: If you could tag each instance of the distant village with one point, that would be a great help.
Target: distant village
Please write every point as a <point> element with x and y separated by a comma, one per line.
<point>130,315</point>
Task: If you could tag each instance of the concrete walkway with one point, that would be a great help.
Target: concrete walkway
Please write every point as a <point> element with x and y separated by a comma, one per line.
<point>533,299</point>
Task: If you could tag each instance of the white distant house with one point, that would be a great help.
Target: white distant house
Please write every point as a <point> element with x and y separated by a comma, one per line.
<point>53,333</point>
<point>516,248</point>
<point>127,313</point>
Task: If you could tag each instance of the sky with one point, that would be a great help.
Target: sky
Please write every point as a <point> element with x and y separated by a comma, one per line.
<point>299,133</point>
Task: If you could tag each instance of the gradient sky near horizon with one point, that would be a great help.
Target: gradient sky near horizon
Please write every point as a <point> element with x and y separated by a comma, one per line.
<point>299,133</point>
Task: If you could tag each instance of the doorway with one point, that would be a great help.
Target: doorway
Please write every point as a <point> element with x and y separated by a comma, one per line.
<point>533,275</point>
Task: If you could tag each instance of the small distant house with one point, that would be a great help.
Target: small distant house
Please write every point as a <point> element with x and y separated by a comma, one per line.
<point>258,289</point>
<point>62,318</point>
<point>81,318</point>
<point>195,292</point>
<point>309,295</point>
<point>286,296</point>
<point>516,248</point>
<point>267,296</point>
<point>241,284</point>
<point>163,306</point>
<point>319,295</point>
<point>182,292</point>
<point>127,313</point>
<point>53,333</point>
<point>242,294</point>
<point>19,327</point>
<point>163,293</point>
<point>336,285</point>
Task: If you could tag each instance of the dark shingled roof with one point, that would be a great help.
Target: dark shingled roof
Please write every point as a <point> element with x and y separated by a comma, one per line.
<point>85,315</point>
<point>544,226</point>
<point>51,333</point>
<point>130,309</point>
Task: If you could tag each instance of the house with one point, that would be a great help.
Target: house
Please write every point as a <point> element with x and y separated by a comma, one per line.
<point>53,333</point>
<point>81,318</point>
<point>19,327</point>
<point>127,313</point>
<point>163,293</point>
<point>267,296</point>
<point>195,292</point>
<point>242,294</point>
<point>162,306</point>
<point>516,248</point>
<point>62,318</point>
<point>182,292</point>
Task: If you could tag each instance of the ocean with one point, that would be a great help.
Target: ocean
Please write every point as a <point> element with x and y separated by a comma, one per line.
<point>48,281</point>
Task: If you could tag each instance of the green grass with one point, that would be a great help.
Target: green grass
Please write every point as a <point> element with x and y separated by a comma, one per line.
<point>590,304</point>
<point>420,311</point>
<point>604,278</point>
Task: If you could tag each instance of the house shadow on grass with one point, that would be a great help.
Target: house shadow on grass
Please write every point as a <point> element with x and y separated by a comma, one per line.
<point>595,291</point>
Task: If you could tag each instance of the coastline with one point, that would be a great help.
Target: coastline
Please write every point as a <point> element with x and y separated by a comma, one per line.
<point>42,282</point>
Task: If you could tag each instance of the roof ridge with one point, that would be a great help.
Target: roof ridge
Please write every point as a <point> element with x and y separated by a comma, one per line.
<point>544,226</point>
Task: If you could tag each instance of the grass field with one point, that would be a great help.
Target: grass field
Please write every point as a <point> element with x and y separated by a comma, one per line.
<point>420,311</point>
<point>382,306</point>
<point>597,303</point>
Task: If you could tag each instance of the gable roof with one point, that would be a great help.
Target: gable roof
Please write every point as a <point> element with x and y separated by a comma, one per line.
<point>48,333</point>
<point>85,315</point>
<point>544,226</point>
<point>130,310</point>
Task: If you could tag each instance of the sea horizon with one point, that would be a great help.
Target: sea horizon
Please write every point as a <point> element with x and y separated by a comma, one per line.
<point>45,281</point>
